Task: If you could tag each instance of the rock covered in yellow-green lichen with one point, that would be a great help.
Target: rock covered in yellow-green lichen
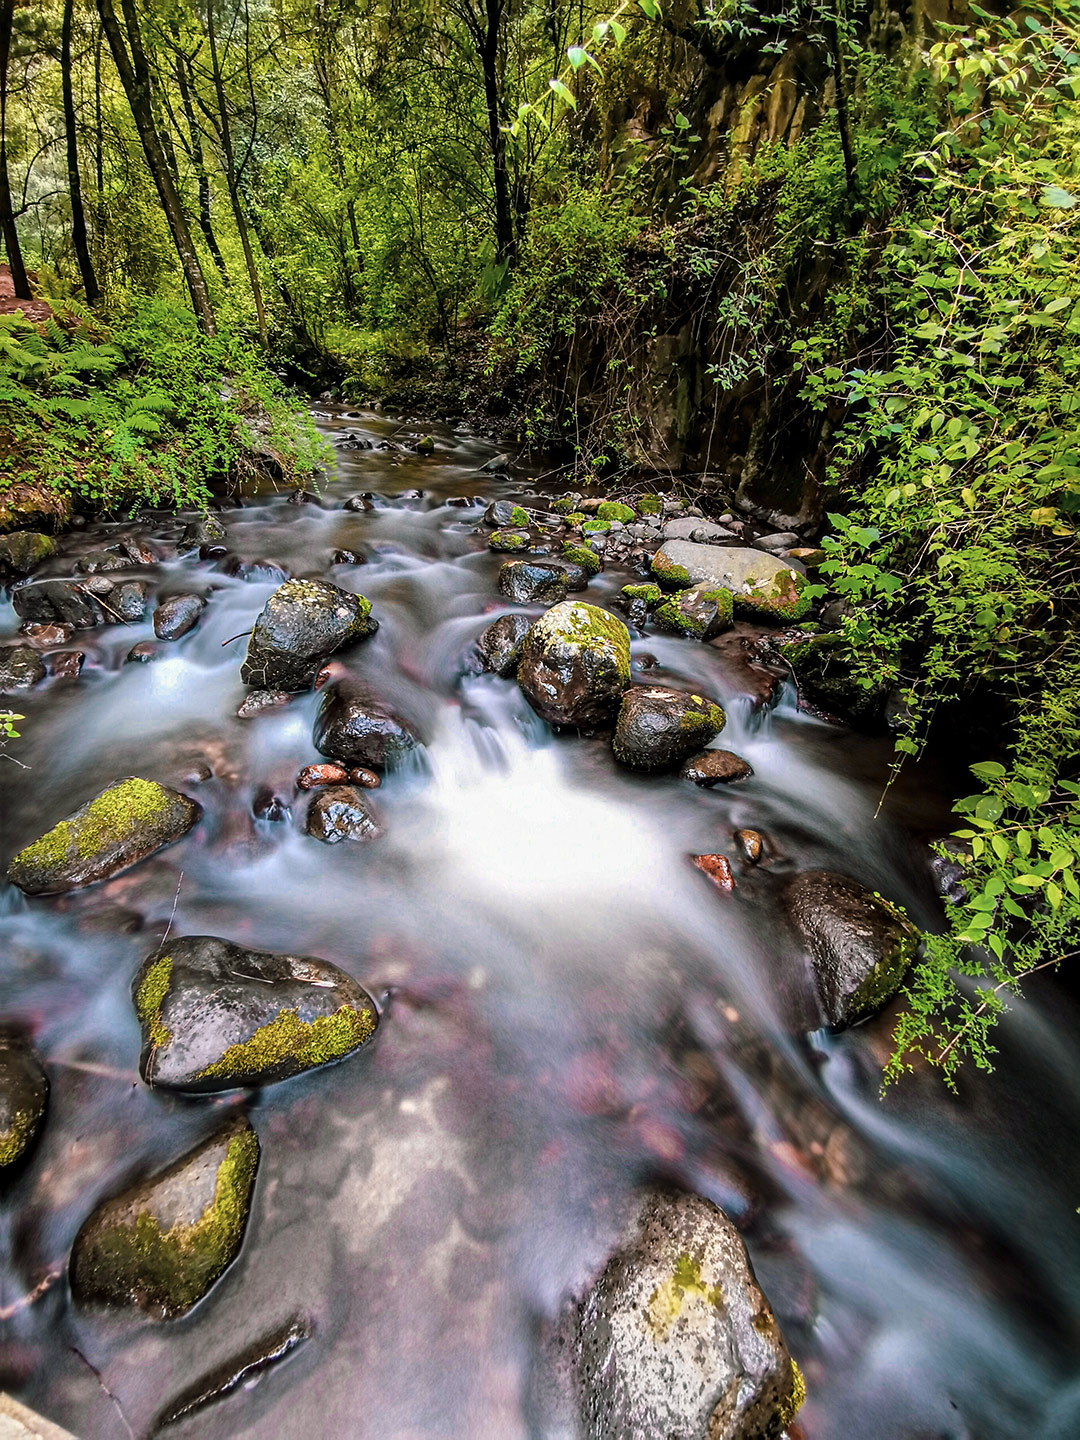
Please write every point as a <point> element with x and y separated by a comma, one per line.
<point>215,1015</point>
<point>129,820</point>
<point>161,1244</point>
<point>24,1091</point>
<point>575,664</point>
<point>701,612</point>
<point>302,623</point>
<point>673,1338</point>
<point>658,728</point>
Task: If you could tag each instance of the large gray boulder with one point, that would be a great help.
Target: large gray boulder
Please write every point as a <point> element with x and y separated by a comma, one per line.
<point>215,1015</point>
<point>129,820</point>
<point>658,728</point>
<point>160,1245</point>
<point>675,1340</point>
<point>302,623</point>
<point>575,664</point>
<point>860,944</point>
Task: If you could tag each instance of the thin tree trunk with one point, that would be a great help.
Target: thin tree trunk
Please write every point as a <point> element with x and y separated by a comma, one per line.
<point>7,212</point>
<point>135,77</point>
<point>78,216</point>
<point>489,55</point>
<point>283,289</point>
<point>99,151</point>
<point>230,176</point>
<point>206,224</point>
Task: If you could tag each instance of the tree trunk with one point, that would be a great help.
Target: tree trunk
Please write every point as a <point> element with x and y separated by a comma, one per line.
<point>230,177</point>
<point>135,77</point>
<point>7,211</point>
<point>489,59</point>
<point>206,224</point>
<point>78,216</point>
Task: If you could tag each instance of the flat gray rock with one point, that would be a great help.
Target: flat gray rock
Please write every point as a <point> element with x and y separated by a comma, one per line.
<point>693,525</point>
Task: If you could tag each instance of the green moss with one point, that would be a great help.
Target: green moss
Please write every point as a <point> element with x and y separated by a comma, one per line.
<point>507,540</point>
<point>879,987</point>
<point>106,820</point>
<point>688,611</point>
<point>576,517</point>
<point>518,516</point>
<point>564,506</point>
<point>671,617</point>
<point>711,717</point>
<point>667,572</point>
<point>174,1268</point>
<point>796,1398</point>
<point>14,1140</point>
<point>583,556</point>
<point>650,505</point>
<point>781,598</point>
<point>595,527</point>
<point>651,594</point>
<point>590,628</point>
<point>670,1295</point>
<point>149,998</point>
<point>290,1040</point>
<point>613,510</point>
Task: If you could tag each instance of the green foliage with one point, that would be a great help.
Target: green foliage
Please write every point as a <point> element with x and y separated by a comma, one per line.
<point>963,437</point>
<point>147,411</point>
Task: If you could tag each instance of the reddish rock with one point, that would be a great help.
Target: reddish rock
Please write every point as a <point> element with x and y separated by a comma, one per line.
<point>43,637</point>
<point>717,868</point>
<point>66,664</point>
<point>715,767</point>
<point>366,779</point>
<point>312,776</point>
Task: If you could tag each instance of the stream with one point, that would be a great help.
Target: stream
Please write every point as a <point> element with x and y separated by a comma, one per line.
<point>571,1011</point>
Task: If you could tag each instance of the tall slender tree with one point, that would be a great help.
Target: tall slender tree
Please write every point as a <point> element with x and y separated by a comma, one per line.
<point>7,209</point>
<point>78,215</point>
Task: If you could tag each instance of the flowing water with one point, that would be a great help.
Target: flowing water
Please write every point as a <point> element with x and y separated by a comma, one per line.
<point>572,1011</point>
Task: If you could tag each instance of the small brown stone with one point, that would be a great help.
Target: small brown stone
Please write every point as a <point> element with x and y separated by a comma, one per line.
<point>714,767</point>
<point>312,776</point>
<point>260,700</point>
<point>66,664</point>
<point>43,637</point>
<point>751,844</point>
<point>717,868</point>
<point>809,556</point>
<point>366,779</point>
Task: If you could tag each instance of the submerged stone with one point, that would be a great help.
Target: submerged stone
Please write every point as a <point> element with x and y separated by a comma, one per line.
<point>701,612</point>
<point>675,1338</point>
<point>215,1015</point>
<point>160,1245</point>
<point>356,728</point>
<point>340,813</point>
<point>302,623</point>
<point>575,664</point>
<point>24,1092</point>
<point>125,823</point>
<point>499,647</point>
<point>658,727</point>
<point>860,944</point>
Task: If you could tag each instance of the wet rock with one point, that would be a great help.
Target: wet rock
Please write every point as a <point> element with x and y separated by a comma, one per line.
<point>44,637</point>
<point>215,1015</point>
<point>751,844</point>
<point>66,664</point>
<point>779,541</point>
<point>21,668</point>
<point>498,465</point>
<point>366,779</point>
<point>161,1244</point>
<point>949,869</point>
<point>499,647</point>
<point>63,602</point>
<point>258,572</point>
<point>464,502</point>
<point>575,664</point>
<point>533,582</point>
<point>266,1351</point>
<point>143,653</point>
<point>24,1092</point>
<point>510,541</point>
<point>860,945</point>
<point>302,623</point>
<point>101,562</point>
<point>348,557</point>
<point>125,823</point>
<point>311,777</point>
<point>577,576</point>
<point>361,503</point>
<point>808,556</point>
<point>125,603</point>
<point>270,807</point>
<point>824,674</point>
<point>761,584</point>
<point>689,527</point>
<point>657,728</point>
<point>260,700</point>
<point>425,445</point>
<point>177,615</point>
<point>340,813</point>
<point>717,868</point>
<point>356,728</point>
<point>303,497</point>
<point>207,535</point>
<point>23,551</point>
<point>701,612</point>
<point>715,767</point>
<point>503,514</point>
<point>675,1339</point>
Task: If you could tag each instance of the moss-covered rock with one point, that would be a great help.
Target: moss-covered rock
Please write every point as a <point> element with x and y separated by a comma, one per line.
<point>651,594</point>
<point>736,568</point>
<point>575,664</point>
<point>24,1092</point>
<point>28,506</point>
<point>782,598</point>
<point>595,527</point>
<point>23,551</point>
<point>425,445</point>
<point>583,556</point>
<point>302,623</point>
<point>161,1244</point>
<point>613,510</point>
<point>129,820</point>
<point>566,505</point>
<point>700,612</point>
<point>650,505</point>
<point>509,540</point>
<point>357,728</point>
<point>658,728</point>
<point>823,671</point>
<point>860,945</point>
<point>207,535</point>
<point>215,1015</point>
<point>576,518</point>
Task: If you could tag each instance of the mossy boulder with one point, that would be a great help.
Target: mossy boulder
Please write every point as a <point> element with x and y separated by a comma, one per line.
<point>357,728</point>
<point>613,510</point>
<point>341,813</point>
<point>24,1093</point>
<point>425,445</point>
<point>674,1338</point>
<point>575,518</point>
<point>658,728</point>
<point>509,540</point>
<point>302,623</point>
<point>583,556</point>
<point>161,1244</point>
<point>23,551</point>
<point>575,664</point>
<point>650,505</point>
<point>783,597</point>
<point>566,505</point>
<point>207,535</point>
<point>533,582</point>
<point>125,823</point>
<point>735,568</point>
<point>21,668</point>
<point>823,671</point>
<point>595,527</point>
<point>215,1015</point>
<point>649,594</point>
<point>700,612</point>
<point>498,649</point>
<point>859,944</point>
<point>504,514</point>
